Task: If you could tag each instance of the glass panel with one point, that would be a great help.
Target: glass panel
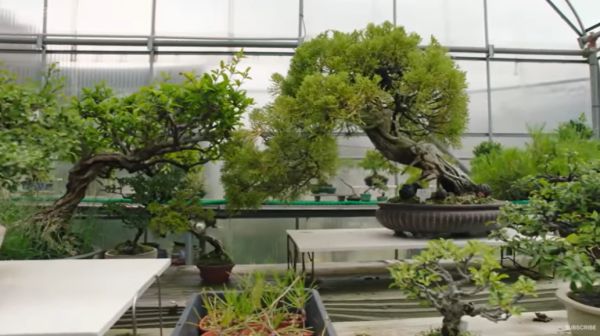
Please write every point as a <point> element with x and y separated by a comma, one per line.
<point>131,17</point>
<point>124,73</point>
<point>22,17</point>
<point>344,15</point>
<point>264,18</point>
<point>528,24</point>
<point>476,81</point>
<point>587,11</point>
<point>25,66</point>
<point>208,18</point>
<point>538,94</point>
<point>456,22</point>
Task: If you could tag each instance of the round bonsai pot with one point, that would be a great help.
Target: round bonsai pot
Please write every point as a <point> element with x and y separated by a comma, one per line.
<point>583,320</point>
<point>215,274</point>
<point>152,253</point>
<point>438,220</point>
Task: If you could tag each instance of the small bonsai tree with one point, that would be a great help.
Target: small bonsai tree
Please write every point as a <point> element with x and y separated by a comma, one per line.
<point>474,269</point>
<point>183,124</point>
<point>142,190</point>
<point>559,229</point>
<point>377,164</point>
<point>184,213</point>
<point>406,99</point>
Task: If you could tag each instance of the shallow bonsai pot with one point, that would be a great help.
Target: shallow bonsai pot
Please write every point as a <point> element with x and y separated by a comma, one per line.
<point>97,253</point>
<point>365,197</point>
<point>316,316</point>
<point>438,220</point>
<point>215,274</point>
<point>151,254</point>
<point>583,320</point>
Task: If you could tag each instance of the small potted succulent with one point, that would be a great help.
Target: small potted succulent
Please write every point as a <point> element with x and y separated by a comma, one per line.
<point>559,230</point>
<point>258,307</point>
<point>451,291</point>
<point>184,213</point>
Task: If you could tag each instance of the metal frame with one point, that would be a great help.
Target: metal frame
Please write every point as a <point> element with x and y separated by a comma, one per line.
<point>133,309</point>
<point>152,46</point>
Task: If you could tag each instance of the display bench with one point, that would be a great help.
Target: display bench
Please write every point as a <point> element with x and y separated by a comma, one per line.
<point>72,297</point>
<point>303,244</point>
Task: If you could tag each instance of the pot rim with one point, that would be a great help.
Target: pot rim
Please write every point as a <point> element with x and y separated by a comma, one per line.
<point>216,266</point>
<point>562,295</point>
<point>446,207</point>
<point>114,252</point>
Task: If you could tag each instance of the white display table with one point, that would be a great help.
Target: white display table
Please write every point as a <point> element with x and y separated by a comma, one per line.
<point>302,243</point>
<point>71,297</point>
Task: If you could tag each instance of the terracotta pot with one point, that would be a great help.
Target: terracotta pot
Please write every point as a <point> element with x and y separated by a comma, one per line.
<point>215,274</point>
<point>113,254</point>
<point>438,220</point>
<point>583,320</point>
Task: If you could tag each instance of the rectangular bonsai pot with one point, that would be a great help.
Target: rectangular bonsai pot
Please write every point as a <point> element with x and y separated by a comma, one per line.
<point>316,316</point>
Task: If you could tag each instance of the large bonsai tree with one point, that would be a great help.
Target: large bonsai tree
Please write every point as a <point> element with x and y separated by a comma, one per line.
<point>406,99</point>
<point>182,124</point>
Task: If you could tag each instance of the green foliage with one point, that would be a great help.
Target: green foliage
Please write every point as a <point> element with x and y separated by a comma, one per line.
<point>34,129</point>
<point>509,171</point>
<point>24,241</point>
<point>486,147</point>
<point>476,268</point>
<point>343,82</point>
<point>560,228</point>
<point>264,307</point>
<point>375,162</point>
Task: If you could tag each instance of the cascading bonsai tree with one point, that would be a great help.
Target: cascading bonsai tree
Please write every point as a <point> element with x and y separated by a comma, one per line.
<point>406,99</point>
<point>451,291</point>
<point>182,124</point>
<point>185,213</point>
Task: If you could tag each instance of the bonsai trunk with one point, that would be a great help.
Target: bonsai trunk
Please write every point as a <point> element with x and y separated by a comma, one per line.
<point>84,172</point>
<point>451,325</point>
<point>425,156</point>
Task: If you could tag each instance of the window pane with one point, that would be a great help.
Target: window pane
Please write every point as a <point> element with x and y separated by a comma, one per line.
<point>22,17</point>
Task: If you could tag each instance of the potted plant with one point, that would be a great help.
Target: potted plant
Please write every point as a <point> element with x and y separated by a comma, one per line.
<point>474,268</point>
<point>559,230</point>
<point>409,101</point>
<point>141,189</point>
<point>184,213</point>
<point>354,197</point>
<point>258,307</point>
<point>377,164</point>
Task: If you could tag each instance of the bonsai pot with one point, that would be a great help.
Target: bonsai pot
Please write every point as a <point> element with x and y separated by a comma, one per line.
<point>341,198</point>
<point>437,220</point>
<point>583,320</point>
<point>215,274</point>
<point>316,316</point>
<point>152,253</point>
<point>382,198</point>
<point>323,189</point>
<point>354,198</point>
<point>365,197</point>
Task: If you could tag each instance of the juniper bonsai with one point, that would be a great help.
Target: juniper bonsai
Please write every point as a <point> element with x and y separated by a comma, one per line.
<point>378,81</point>
<point>451,291</point>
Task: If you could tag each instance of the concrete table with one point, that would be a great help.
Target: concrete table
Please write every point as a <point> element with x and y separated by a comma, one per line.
<point>305,243</point>
<point>71,297</point>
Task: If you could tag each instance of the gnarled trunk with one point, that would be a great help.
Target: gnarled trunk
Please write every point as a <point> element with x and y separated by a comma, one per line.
<point>425,156</point>
<point>451,325</point>
<point>54,220</point>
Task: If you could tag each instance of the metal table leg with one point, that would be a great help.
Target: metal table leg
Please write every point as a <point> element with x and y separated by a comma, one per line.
<point>133,317</point>
<point>160,317</point>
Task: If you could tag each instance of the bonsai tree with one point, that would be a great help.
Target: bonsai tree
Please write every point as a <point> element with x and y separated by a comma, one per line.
<point>144,190</point>
<point>184,213</point>
<point>182,124</point>
<point>450,291</point>
<point>34,129</point>
<point>376,163</point>
<point>559,229</point>
<point>408,101</point>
